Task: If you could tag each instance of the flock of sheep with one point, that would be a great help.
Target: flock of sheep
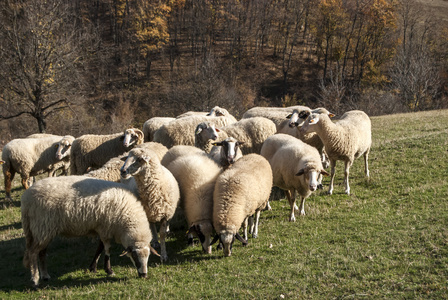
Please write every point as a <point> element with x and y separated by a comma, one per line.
<point>215,171</point>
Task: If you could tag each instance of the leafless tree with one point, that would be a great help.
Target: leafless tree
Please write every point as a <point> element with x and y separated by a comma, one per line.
<point>40,48</point>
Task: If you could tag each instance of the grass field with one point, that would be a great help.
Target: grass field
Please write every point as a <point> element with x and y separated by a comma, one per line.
<point>389,239</point>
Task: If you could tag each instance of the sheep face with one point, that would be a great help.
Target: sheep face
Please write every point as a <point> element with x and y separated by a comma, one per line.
<point>297,118</point>
<point>139,257</point>
<point>132,136</point>
<point>218,112</point>
<point>311,176</point>
<point>207,131</point>
<point>227,239</point>
<point>310,123</point>
<point>135,162</point>
<point>64,147</point>
<point>229,148</point>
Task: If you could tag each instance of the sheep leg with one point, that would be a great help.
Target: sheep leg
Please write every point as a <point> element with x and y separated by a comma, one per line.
<point>107,267</point>
<point>257,218</point>
<point>94,263</point>
<point>291,195</point>
<point>162,232</point>
<point>366,163</point>
<point>34,266</point>
<point>346,174</point>
<point>302,206</point>
<point>333,171</point>
<point>9,176</point>
<point>155,234</point>
<point>43,264</point>
<point>268,206</point>
<point>245,223</point>
<point>251,224</point>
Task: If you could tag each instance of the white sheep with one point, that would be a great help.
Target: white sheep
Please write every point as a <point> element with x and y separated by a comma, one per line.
<point>152,125</point>
<point>178,151</point>
<point>296,167</point>
<point>250,132</point>
<point>240,192</point>
<point>181,131</point>
<point>111,170</point>
<point>30,157</point>
<point>276,115</point>
<point>81,206</point>
<point>196,175</point>
<point>214,112</point>
<point>347,139</point>
<point>93,151</point>
<point>158,190</point>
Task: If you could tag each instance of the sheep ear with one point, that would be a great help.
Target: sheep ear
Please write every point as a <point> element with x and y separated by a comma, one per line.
<point>146,158</point>
<point>215,239</point>
<point>240,238</point>
<point>325,173</point>
<point>217,144</point>
<point>198,130</point>
<point>153,251</point>
<point>2,162</point>
<point>304,114</point>
<point>289,116</point>
<point>301,172</point>
<point>314,120</point>
<point>217,130</point>
<point>124,158</point>
<point>240,143</point>
<point>192,230</point>
<point>125,252</point>
<point>331,115</point>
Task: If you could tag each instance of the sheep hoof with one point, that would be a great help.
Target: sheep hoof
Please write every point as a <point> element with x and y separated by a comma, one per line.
<point>46,278</point>
<point>320,187</point>
<point>163,258</point>
<point>292,219</point>
<point>255,236</point>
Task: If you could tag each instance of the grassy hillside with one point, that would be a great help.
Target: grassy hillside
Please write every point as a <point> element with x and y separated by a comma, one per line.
<point>389,239</point>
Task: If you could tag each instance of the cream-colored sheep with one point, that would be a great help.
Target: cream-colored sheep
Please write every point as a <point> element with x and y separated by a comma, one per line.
<point>158,190</point>
<point>240,192</point>
<point>93,151</point>
<point>196,175</point>
<point>181,131</point>
<point>178,151</point>
<point>214,112</point>
<point>81,206</point>
<point>30,157</point>
<point>111,170</point>
<point>152,125</point>
<point>296,167</point>
<point>345,140</point>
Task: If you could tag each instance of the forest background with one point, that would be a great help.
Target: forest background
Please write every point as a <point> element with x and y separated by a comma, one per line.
<point>83,66</point>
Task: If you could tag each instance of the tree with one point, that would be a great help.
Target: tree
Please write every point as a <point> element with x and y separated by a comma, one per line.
<point>40,54</point>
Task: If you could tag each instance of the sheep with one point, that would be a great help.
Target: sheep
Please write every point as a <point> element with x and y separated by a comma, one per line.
<point>157,188</point>
<point>178,151</point>
<point>196,175</point>
<point>93,151</point>
<point>214,112</point>
<point>250,132</point>
<point>291,158</point>
<point>111,169</point>
<point>345,140</point>
<point>151,125</point>
<point>75,206</point>
<point>181,131</point>
<point>276,115</point>
<point>30,157</point>
<point>240,192</point>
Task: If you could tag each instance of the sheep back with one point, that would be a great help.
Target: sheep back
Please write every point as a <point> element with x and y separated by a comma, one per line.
<point>240,191</point>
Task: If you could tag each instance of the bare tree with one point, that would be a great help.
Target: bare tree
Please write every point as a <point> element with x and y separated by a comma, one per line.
<point>40,52</point>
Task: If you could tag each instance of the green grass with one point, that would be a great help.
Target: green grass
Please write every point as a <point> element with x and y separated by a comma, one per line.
<point>388,239</point>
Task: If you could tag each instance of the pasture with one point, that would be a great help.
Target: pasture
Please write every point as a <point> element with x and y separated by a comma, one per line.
<point>388,239</point>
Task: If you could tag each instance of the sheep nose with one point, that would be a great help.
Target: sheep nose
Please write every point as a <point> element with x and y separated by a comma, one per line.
<point>123,173</point>
<point>313,187</point>
<point>142,275</point>
<point>293,124</point>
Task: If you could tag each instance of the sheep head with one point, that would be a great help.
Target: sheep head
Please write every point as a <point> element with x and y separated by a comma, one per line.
<point>132,137</point>
<point>64,147</point>
<point>311,175</point>
<point>136,162</point>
